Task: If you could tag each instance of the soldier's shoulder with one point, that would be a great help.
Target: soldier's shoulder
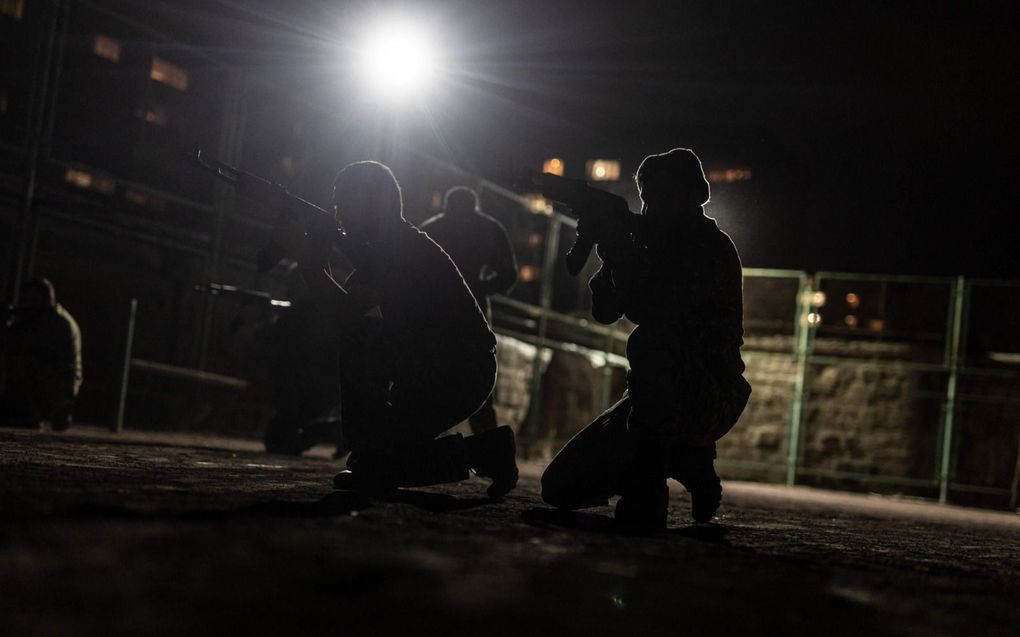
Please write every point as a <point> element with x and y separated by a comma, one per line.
<point>491,222</point>
<point>716,234</point>
<point>65,317</point>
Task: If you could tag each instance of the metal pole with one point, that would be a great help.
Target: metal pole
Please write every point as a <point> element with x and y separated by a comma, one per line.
<point>40,111</point>
<point>1014,487</point>
<point>552,242</point>
<point>953,364</point>
<point>802,331</point>
<point>118,425</point>
<point>607,374</point>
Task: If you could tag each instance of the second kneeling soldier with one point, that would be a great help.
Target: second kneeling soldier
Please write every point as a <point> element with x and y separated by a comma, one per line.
<point>675,274</point>
<point>416,354</point>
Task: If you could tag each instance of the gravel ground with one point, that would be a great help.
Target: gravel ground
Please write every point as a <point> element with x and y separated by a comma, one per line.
<point>174,534</point>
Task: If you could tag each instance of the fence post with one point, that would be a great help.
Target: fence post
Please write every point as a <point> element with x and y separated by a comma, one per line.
<point>118,424</point>
<point>952,362</point>
<point>552,246</point>
<point>45,77</point>
<point>607,371</point>
<point>802,331</point>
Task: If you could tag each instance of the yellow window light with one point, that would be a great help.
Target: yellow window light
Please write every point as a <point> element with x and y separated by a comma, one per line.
<point>168,73</point>
<point>603,170</point>
<point>529,273</point>
<point>729,175</point>
<point>80,178</point>
<point>538,204</point>
<point>13,8</point>
<point>553,166</point>
<point>106,47</point>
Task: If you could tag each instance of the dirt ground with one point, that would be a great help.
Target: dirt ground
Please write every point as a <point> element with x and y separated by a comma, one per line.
<point>169,534</point>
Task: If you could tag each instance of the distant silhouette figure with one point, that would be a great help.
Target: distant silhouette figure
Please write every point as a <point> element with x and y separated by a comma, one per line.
<point>416,354</point>
<point>41,348</point>
<point>678,277</point>
<point>481,250</point>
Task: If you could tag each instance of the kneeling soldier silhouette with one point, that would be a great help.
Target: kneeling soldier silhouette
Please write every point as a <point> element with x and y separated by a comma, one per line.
<point>416,354</point>
<point>674,273</point>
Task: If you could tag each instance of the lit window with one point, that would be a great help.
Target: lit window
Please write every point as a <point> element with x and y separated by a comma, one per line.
<point>153,115</point>
<point>80,178</point>
<point>850,320</point>
<point>106,47</point>
<point>528,273</point>
<point>85,179</point>
<point>105,185</point>
<point>603,170</point>
<point>135,197</point>
<point>853,300</point>
<point>169,74</point>
<point>538,204</point>
<point>13,8</point>
<point>729,176</point>
<point>553,166</point>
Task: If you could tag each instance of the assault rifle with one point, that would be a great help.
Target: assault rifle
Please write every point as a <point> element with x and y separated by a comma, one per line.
<point>241,294</point>
<point>317,220</point>
<point>604,216</point>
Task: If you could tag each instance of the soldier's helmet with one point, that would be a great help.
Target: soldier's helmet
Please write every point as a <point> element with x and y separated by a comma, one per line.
<point>678,168</point>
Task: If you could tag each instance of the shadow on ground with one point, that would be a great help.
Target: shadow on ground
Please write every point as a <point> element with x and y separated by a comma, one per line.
<point>549,518</point>
<point>335,504</point>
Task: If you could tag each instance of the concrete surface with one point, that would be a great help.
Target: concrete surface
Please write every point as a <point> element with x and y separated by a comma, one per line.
<point>144,533</point>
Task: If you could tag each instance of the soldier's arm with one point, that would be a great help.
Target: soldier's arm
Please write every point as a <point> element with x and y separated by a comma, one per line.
<point>607,302</point>
<point>346,304</point>
<point>502,262</point>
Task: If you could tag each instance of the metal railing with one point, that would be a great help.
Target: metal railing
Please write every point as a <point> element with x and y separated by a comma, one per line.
<point>812,343</point>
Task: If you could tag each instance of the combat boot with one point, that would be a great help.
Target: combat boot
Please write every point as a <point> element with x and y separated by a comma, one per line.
<point>643,510</point>
<point>644,500</point>
<point>694,468</point>
<point>493,455</point>
<point>368,475</point>
<point>437,461</point>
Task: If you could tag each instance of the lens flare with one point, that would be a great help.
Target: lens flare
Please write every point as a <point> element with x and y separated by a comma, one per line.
<point>397,59</point>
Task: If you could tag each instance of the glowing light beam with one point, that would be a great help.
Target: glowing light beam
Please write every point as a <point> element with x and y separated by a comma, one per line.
<point>397,60</point>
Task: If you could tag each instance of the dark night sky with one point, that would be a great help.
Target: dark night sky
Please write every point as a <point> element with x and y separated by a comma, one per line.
<point>881,136</point>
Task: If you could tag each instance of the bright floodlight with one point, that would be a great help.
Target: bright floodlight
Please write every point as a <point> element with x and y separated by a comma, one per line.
<point>397,59</point>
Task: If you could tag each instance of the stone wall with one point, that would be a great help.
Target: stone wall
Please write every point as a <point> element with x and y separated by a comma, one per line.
<point>865,412</point>
<point>987,453</point>
<point>872,416</point>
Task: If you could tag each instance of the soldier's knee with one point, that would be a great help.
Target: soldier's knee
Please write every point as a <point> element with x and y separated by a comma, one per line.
<point>557,490</point>
<point>551,488</point>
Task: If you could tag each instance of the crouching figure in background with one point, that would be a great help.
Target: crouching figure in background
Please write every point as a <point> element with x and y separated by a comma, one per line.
<point>40,347</point>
